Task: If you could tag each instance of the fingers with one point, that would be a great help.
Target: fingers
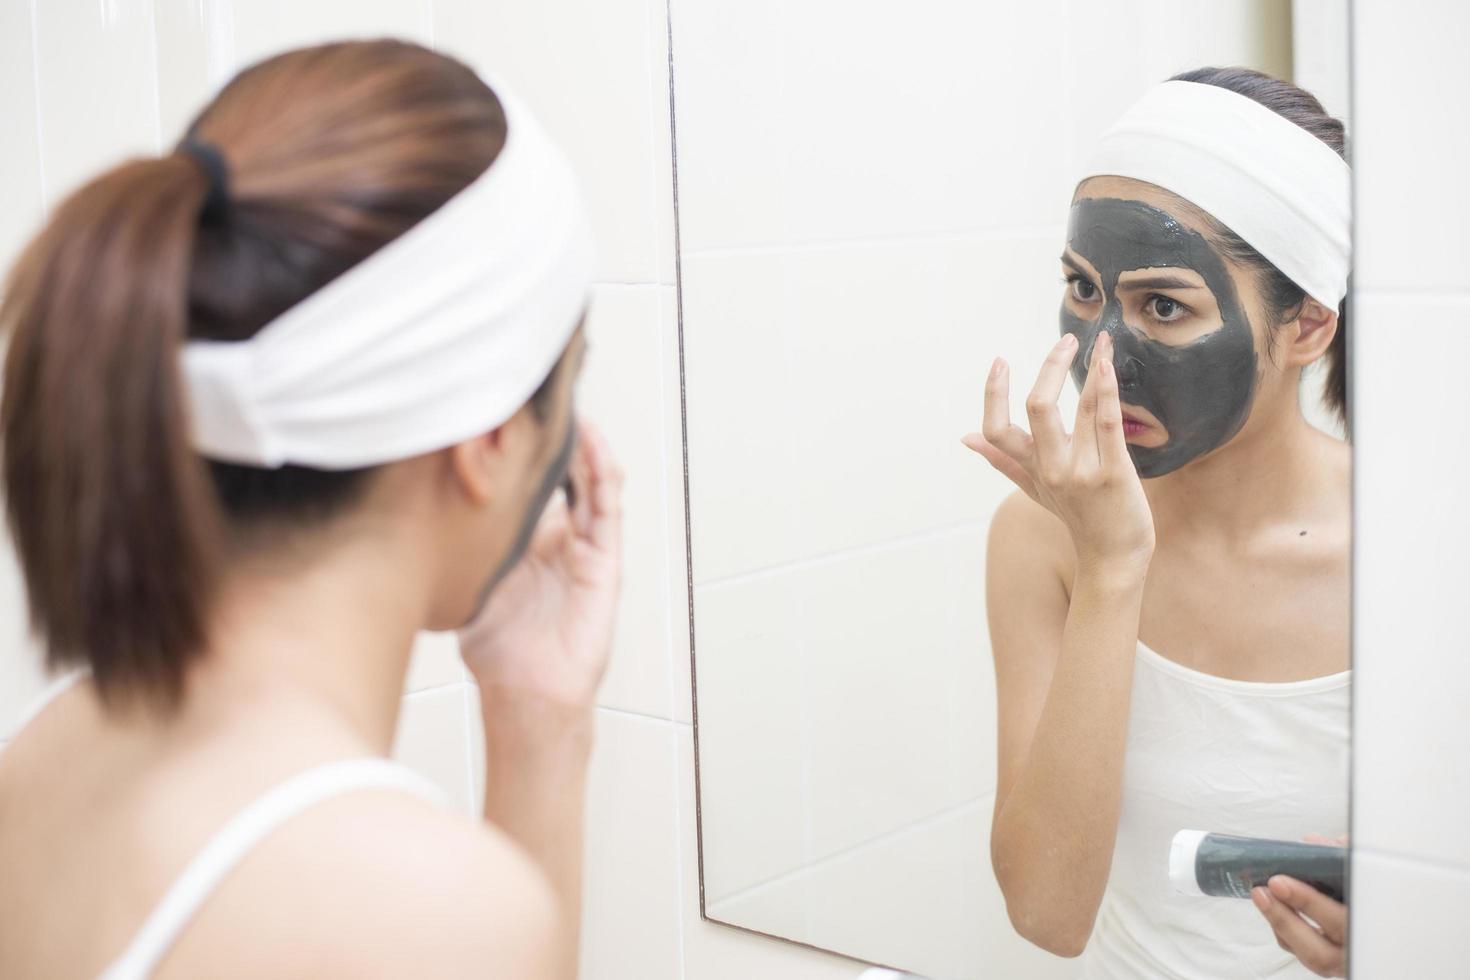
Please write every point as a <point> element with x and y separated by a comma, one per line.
<point>1012,470</point>
<point>1296,936</point>
<point>1112,444</point>
<point>602,490</point>
<point>1084,433</point>
<point>1329,914</point>
<point>997,429</point>
<point>1041,405</point>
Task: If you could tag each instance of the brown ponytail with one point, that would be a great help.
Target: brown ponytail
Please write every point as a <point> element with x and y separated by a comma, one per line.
<point>122,531</point>
<point>112,513</point>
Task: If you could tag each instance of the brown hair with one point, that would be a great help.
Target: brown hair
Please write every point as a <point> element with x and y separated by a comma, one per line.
<point>1283,297</point>
<point>332,152</point>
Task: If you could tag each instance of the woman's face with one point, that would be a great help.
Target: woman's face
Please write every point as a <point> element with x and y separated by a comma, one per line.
<point>1140,267</point>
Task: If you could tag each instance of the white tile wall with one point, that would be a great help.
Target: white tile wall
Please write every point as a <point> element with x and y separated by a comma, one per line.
<point>799,125</point>
<point>914,896</point>
<point>1411,338</point>
<point>816,400</point>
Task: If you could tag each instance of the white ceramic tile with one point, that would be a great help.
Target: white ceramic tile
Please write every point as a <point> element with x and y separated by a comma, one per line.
<point>20,163</point>
<point>898,706</point>
<point>738,393</point>
<point>97,87</point>
<point>777,908</point>
<point>584,67</point>
<point>718,952</point>
<point>432,738</point>
<point>631,914</point>
<point>434,662</point>
<point>828,388</point>
<point>1408,918</point>
<point>626,392</point>
<point>1409,166</point>
<point>923,899</point>
<point>900,900</point>
<point>21,677</point>
<point>183,47</point>
<point>1410,530</point>
<point>798,126</point>
<point>262,28</point>
<point>752,748</point>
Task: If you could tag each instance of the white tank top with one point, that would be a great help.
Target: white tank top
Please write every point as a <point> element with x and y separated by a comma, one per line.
<point>232,842</point>
<point>1210,753</point>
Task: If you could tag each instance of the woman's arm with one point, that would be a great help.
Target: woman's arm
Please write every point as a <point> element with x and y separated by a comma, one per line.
<point>1063,683</point>
<point>538,653</point>
<point>1063,663</point>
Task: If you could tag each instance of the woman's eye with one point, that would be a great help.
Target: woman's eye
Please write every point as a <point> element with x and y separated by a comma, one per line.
<point>1082,290</point>
<point>1165,309</point>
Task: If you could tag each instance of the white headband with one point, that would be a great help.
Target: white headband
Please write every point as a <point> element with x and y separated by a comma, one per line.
<point>1281,189</point>
<point>440,335</point>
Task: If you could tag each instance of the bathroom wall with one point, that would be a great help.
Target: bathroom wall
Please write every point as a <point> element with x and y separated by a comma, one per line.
<point>1411,343</point>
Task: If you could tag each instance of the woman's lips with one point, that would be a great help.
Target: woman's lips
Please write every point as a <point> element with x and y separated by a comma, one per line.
<point>1137,423</point>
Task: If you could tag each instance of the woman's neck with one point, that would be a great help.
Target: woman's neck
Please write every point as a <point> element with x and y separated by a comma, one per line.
<point>328,640</point>
<point>1280,469</point>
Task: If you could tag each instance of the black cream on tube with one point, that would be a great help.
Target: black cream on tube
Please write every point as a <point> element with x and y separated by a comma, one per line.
<point>1202,863</point>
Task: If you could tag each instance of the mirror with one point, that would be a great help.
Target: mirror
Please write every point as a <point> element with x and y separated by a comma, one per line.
<point>871,205</point>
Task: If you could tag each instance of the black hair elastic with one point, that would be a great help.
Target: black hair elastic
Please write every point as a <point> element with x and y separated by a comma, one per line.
<point>217,199</point>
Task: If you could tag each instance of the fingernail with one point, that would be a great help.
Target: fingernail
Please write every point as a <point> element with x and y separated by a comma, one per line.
<point>1262,898</point>
<point>1067,340</point>
<point>995,367</point>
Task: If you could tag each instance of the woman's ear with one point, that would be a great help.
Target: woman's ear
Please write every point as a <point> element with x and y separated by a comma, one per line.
<point>1313,330</point>
<point>475,465</point>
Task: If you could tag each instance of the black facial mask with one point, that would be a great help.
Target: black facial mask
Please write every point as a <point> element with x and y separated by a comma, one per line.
<point>1201,391</point>
<point>556,476</point>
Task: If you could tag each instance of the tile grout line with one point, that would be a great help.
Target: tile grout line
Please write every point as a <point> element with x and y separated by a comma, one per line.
<point>923,823</point>
<point>864,550</point>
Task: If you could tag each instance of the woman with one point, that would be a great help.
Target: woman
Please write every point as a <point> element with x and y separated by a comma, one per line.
<point>275,402</point>
<point>1168,594</point>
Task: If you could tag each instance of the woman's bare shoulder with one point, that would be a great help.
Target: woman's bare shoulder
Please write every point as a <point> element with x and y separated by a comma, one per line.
<point>1025,535</point>
<point>379,884</point>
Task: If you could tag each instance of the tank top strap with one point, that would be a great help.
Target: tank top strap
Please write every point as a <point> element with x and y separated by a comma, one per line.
<point>247,828</point>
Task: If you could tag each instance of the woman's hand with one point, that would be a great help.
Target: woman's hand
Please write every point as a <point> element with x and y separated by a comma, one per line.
<point>546,631</point>
<point>1087,479</point>
<point>1288,905</point>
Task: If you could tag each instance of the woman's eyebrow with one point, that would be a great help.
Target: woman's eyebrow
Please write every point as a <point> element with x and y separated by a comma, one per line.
<point>1157,282</point>
<point>1069,263</point>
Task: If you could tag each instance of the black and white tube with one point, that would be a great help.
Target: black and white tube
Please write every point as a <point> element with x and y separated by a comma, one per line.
<point>1223,865</point>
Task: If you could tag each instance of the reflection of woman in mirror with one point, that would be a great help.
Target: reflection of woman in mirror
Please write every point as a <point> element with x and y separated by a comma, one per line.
<point>1171,652</point>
